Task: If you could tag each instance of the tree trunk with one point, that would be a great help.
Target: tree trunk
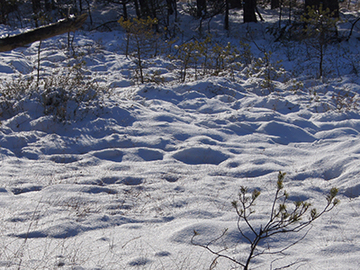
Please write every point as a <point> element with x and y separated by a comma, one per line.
<point>226,14</point>
<point>235,4</point>
<point>249,11</point>
<point>144,8</point>
<point>201,8</point>
<point>137,9</point>
<point>41,33</point>
<point>275,4</point>
<point>125,10</point>
<point>80,6</point>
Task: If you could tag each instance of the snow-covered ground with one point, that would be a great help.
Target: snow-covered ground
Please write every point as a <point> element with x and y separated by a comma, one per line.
<point>126,185</point>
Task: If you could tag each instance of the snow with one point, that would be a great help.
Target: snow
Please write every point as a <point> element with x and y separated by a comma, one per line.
<point>125,185</point>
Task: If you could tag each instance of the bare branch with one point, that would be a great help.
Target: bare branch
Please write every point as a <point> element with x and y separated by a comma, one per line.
<point>217,253</point>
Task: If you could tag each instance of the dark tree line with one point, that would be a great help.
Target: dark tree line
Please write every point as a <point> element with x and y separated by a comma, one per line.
<point>160,9</point>
<point>40,10</point>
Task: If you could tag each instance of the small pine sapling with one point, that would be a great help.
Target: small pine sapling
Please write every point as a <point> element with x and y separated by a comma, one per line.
<point>283,219</point>
<point>214,59</point>
<point>225,58</point>
<point>245,53</point>
<point>188,53</point>
<point>141,42</point>
<point>266,69</point>
<point>319,31</point>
